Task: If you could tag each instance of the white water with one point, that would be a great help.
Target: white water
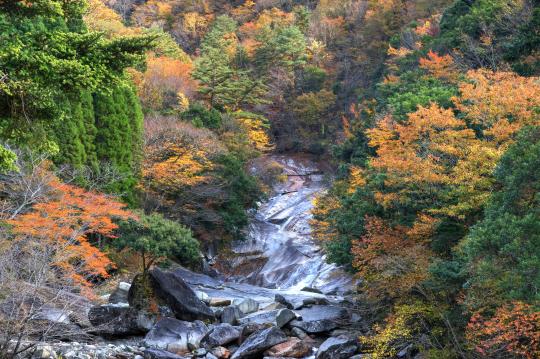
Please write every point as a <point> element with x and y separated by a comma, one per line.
<point>281,232</point>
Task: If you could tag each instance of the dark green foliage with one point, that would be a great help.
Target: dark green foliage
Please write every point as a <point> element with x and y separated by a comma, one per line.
<point>502,250</point>
<point>525,44</point>
<point>156,238</point>
<point>200,116</point>
<point>312,79</point>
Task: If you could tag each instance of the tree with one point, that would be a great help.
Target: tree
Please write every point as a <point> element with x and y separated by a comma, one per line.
<point>156,238</point>
<point>65,223</point>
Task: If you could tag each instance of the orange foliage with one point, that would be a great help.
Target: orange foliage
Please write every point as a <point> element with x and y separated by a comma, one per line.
<point>390,259</point>
<point>514,329</point>
<point>442,67</point>
<point>64,224</point>
<point>165,75</point>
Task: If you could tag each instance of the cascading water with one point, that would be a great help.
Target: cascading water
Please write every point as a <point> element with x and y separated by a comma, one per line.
<point>280,235</point>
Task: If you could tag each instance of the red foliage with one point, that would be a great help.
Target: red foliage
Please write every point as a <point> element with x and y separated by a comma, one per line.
<point>513,329</point>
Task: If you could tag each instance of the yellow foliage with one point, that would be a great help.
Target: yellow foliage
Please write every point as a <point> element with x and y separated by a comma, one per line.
<point>256,130</point>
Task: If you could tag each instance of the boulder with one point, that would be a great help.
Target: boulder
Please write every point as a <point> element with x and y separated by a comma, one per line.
<point>292,348</point>
<point>283,317</point>
<point>247,306</point>
<point>311,290</point>
<point>221,353</point>
<point>219,302</point>
<point>258,342</point>
<point>120,294</point>
<point>299,333</point>
<point>250,328</point>
<point>341,347</point>
<point>320,318</point>
<point>298,302</point>
<point>221,334</point>
<point>274,306</point>
<point>231,315</point>
<point>202,296</point>
<point>170,289</point>
<point>160,354</point>
<point>119,321</point>
<point>268,317</point>
<point>176,335</point>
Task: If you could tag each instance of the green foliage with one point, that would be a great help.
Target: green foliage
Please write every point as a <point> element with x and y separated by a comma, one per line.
<point>7,160</point>
<point>502,250</point>
<point>156,238</point>
<point>312,79</point>
<point>200,116</point>
<point>413,90</point>
<point>282,47</point>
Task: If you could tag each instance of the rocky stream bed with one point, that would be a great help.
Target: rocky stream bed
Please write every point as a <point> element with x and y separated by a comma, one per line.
<point>279,298</point>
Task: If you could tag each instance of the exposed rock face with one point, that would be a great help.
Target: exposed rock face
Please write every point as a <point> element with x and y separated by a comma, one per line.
<point>119,321</point>
<point>292,348</point>
<point>120,295</point>
<point>258,342</point>
<point>320,318</point>
<point>341,347</point>
<point>176,335</point>
<point>221,334</point>
<point>171,290</point>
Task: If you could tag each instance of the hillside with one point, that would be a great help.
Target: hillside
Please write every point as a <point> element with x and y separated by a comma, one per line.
<point>380,159</point>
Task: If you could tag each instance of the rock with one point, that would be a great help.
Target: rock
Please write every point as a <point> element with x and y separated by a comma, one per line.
<point>268,317</point>
<point>297,332</point>
<point>176,335</point>
<point>405,352</point>
<point>210,356</point>
<point>283,317</point>
<point>202,296</point>
<point>221,334</point>
<point>160,354</point>
<point>250,328</point>
<point>358,356</point>
<point>119,321</point>
<point>44,352</point>
<point>320,318</point>
<point>231,315</point>
<point>274,306</point>
<point>292,348</point>
<point>341,347</point>
<point>298,302</point>
<point>219,302</point>
<point>259,341</point>
<point>247,306</point>
<point>170,289</point>
<point>120,295</point>
<point>221,353</point>
<point>311,290</point>
<point>199,353</point>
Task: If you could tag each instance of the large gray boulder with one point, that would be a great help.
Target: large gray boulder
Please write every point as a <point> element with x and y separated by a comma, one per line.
<point>120,294</point>
<point>220,335</point>
<point>119,321</point>
<point>169,289</point>
<point>320,318</point>
<point>231,315</point>
<point>247,305</point>
<point>292,348</point>
<point>268,317</point>
<point>341,347</point>
<point>258,342</point>
<point>176,335</point>
<point>284,316</point>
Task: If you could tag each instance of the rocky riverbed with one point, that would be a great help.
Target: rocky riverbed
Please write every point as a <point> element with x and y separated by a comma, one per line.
<point>275,297</point>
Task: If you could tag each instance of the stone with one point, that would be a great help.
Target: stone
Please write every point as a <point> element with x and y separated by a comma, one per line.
<point>119,321</point>
<point>202,296</point>
<point>258,342</point>
<point>311,290</point>
<point>283,317</point>
<point>342,347</point>
<point>320,318</point>
<point>299,333</point>
<point>176,335</point>
<point>199,353</point>
<point>247,306</point>
<point>250,328</point>
<point>274,306</point>
<point>44,352</point>
<point>297,302</point>
<point>231,315</point>
<point>160,354</point>
<point>268,317</point>
<point>292,348</point>
<point>170,289</point>
<point>220,335</point>
<point>219,302</point>
<point>221,352</point>
<point>120,294</point>
<point>405,352</point>
<point>210,356</point>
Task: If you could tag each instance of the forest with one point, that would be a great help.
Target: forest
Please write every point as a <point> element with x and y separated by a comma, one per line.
<point>134,135</point>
